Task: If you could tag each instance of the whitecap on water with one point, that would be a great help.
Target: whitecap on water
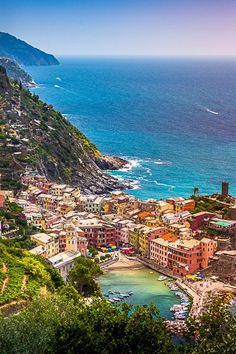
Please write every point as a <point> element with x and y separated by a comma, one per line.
<point>135,185</point>
<point>163,184</point>
<point>132,163</point>
<point>58,78</point>
<point>210,111</point>
<point>159,162</point>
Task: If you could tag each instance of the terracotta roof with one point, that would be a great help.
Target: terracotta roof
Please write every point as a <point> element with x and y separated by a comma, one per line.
<point>169,237</point>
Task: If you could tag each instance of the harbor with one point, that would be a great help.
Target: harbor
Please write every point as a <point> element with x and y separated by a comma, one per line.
<point>142,286</point>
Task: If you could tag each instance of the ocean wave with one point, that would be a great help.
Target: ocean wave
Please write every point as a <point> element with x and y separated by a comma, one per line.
<point>159,162</point>
<point>164,185</point>
<point>135,185</point>
<point>213,112</point>
<point>132,163</point>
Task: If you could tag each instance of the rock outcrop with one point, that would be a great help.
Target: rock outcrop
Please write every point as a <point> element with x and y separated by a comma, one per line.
<point>15,72</point>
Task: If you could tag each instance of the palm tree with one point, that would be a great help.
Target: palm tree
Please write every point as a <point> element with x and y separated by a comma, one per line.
<point>195,190</point>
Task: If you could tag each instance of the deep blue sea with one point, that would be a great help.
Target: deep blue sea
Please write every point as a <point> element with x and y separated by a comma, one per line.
<point>174,119</point>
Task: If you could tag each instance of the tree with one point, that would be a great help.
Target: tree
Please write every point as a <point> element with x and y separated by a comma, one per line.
<point>214,331</point>
<point>69,293</point>
<point>195,190</point>
<point>102,329</point>
<point>82,276</point>
<point>57,325</point>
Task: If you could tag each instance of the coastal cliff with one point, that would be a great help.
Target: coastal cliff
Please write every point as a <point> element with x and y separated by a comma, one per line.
<point>16,72</point>
<point>23,53</point>
<point>35,136</point>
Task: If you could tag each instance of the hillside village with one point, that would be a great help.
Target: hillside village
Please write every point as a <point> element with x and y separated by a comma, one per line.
<point>170,235</point>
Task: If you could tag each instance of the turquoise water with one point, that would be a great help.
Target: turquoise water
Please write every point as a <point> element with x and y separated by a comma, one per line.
<point>174,118</point>
<point>147,289</point>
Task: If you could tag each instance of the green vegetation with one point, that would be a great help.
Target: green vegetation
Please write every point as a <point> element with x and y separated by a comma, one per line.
<point>23,275</point>
<point>92,250</point>
<point>12,218</point>
<point>82,276</point>
<point>204,204</point>
<point>65,324</point>
<point>215,331</point>
<point>45,140</point>
<point>57,326</point>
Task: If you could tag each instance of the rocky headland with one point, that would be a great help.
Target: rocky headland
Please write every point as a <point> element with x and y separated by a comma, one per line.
<point>37,137</point>
<point>23,53</point>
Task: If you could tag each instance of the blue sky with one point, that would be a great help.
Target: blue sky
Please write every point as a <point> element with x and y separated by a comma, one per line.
<point>124,27</point>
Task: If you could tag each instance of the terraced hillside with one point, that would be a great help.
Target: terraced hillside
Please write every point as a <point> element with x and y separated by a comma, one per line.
<point>23,275</point>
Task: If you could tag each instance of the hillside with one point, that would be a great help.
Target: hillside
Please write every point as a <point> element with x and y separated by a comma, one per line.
<point>15,72</point>
<point>35,136</point>
<point>23,53</point>
<point>23,275</point>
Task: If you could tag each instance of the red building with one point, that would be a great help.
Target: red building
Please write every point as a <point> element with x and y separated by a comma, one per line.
<point>200,220</point>
<point>99,234</point>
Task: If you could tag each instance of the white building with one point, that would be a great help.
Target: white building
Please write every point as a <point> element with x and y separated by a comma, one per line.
<point>63,262</point>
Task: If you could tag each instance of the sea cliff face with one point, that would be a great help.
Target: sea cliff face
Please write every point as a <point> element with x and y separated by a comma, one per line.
<point>37,137</point>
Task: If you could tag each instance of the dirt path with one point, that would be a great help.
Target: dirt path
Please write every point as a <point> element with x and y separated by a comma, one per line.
<point>5,281</point>
<point>24,282</point>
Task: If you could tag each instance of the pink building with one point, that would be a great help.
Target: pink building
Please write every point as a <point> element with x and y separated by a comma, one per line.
<point>124,235</point>
<point>82,245</point>
<point>182,256</point>
<point>159,251</point>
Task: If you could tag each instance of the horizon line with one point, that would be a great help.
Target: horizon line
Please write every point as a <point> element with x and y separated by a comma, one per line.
<point>149,55</point>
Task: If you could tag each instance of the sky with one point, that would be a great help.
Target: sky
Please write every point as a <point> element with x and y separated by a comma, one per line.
<point>124,27</point>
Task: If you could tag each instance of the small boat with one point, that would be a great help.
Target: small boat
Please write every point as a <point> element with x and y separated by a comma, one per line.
<point>151,272</point>
<point>116,299</point>
<point>125,295</point>
<point>106,295</point>
<point>161,278</point>
<point>130,293</point>
<point>110,292</point>
<point>176,308</point>
<point>111,301</point>
<point>179,316</point>
<point>117,292</point>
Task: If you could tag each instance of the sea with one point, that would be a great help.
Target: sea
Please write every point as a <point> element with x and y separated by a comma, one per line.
<point>144,284</point>
<point>173,119</point>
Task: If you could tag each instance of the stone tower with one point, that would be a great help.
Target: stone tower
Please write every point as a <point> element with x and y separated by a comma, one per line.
<point>225,189</point>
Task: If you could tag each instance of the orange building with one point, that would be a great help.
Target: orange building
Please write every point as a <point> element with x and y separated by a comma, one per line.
<point>2,199</point>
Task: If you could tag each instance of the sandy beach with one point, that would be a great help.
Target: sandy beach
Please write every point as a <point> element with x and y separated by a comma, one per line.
<point>124,263</point>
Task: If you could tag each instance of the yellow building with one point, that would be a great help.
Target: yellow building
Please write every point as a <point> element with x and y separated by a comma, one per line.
<point>39,222</point>
<point>152,222</point>
<point>50,243</point>
<point>57,189</point>
<point>163,206</point>
<point>134,236</point>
